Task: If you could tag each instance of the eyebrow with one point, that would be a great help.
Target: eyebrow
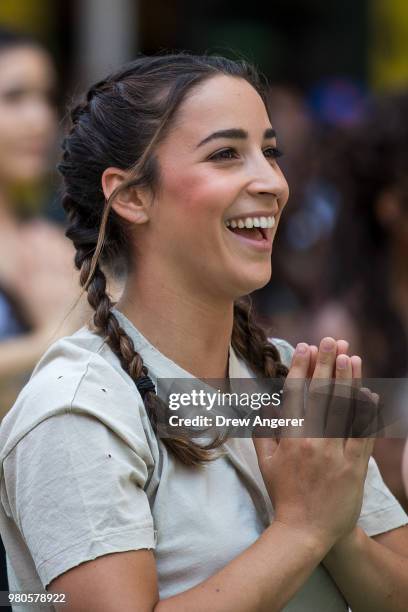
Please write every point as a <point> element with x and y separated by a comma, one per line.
<point>234,133</point>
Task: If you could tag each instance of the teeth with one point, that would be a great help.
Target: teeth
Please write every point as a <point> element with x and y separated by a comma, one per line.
<point>250,222</point>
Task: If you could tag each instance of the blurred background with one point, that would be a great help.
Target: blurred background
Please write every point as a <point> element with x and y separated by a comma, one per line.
<point>338,96</point>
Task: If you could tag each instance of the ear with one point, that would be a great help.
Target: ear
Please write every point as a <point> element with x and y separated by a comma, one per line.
<point>132,203</point>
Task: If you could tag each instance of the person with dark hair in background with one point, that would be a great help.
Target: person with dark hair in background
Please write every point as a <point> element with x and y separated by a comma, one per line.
<point>170,166</point>
<point>37,285</point>
<point>367,272</point>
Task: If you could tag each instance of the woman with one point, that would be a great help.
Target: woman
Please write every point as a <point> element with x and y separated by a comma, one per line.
<point>34,295</point>
<point>162,161</point>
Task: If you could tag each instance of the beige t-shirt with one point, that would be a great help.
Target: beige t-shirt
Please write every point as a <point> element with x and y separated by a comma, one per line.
<point>83,475</point>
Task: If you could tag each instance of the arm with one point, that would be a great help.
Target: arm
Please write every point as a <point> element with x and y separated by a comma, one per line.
<point>372,573</point>
<point>263,578</point>
<point>20,354</point>
<point>308,479</point>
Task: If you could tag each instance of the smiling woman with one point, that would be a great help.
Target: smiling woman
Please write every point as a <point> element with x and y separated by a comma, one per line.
<point>170,165</point>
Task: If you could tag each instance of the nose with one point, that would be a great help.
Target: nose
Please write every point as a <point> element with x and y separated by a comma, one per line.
<point>267,179</point>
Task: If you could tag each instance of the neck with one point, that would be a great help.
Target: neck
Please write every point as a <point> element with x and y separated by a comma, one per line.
<point>193,332</point>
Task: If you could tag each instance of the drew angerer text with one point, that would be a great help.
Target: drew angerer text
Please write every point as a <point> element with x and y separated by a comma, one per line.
<point>222,421</point>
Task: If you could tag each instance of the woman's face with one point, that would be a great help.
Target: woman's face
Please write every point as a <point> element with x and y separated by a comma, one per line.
<point>27,115</point>
<point>209,179</point>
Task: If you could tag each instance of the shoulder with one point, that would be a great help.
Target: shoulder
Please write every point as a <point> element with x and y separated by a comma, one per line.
<point>285,350</point>
<point>78,374</point>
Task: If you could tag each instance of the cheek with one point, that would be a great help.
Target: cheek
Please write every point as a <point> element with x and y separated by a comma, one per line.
<point>198,195</point>
<point>9,126</point>
<point>10,160</point>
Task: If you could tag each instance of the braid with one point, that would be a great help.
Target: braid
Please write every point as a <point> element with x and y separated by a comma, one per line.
<point>107,326</point>
<point>249,340</point>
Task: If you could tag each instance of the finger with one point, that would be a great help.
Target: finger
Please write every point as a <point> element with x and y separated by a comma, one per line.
<point>300,361</point>
<point>340,410</point>
<point>365,413</point>
<point>313,357</point>
<point>356,365</point>
<point>362,447</point>
<point>342,347</point>
<point>326,357</point>
<point>293,390</point>
<point>320,388</point>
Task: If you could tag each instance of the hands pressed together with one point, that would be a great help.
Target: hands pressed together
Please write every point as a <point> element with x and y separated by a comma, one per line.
<point>316,483</point>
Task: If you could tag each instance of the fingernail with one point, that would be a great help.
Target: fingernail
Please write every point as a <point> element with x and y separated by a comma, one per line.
<point>328,344</point>
<point>301,348</point>
<point>342,362</point>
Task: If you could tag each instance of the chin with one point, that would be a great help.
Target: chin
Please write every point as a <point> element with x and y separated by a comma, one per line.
<point>251,283</point>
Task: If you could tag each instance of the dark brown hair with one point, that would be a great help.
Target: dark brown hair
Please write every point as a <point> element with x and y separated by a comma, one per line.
<point>119,123</point>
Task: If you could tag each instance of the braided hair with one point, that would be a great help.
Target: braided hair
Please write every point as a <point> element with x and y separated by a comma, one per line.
<point>140,100</point>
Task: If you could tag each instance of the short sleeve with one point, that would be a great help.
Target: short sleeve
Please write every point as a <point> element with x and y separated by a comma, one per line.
<point>380,511</point>
<point>285,349</point>
<point>75,490</point>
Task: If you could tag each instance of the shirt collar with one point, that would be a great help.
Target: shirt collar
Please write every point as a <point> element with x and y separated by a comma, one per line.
<point>161,366</point>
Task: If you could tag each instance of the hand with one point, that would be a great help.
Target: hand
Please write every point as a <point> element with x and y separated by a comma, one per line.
<point>315,484</point>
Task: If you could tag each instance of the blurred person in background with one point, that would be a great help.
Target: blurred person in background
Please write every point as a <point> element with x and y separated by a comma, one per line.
<point>367,271</point>
<point>37,284</point>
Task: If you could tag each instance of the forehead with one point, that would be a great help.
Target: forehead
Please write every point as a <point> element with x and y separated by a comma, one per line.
<point>221,102</point>
<point>26,66</point>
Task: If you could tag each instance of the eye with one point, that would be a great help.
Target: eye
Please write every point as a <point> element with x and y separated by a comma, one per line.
<point>224,154</point>
<point>14,95</point>
<point>273,152</point>
<point>228,154</point>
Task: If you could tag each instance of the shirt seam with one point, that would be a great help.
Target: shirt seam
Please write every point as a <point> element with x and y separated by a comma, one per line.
<point>67,410</point>
<point>98,539</point>
<point>394,506</point>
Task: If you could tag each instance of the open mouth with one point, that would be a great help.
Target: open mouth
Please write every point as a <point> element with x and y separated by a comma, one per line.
<point>252,228</point>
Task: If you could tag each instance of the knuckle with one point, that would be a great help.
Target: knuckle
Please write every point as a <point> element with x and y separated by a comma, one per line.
<point>307,446</point>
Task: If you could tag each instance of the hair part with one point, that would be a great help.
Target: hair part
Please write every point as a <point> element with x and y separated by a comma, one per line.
<point>119,124</point>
